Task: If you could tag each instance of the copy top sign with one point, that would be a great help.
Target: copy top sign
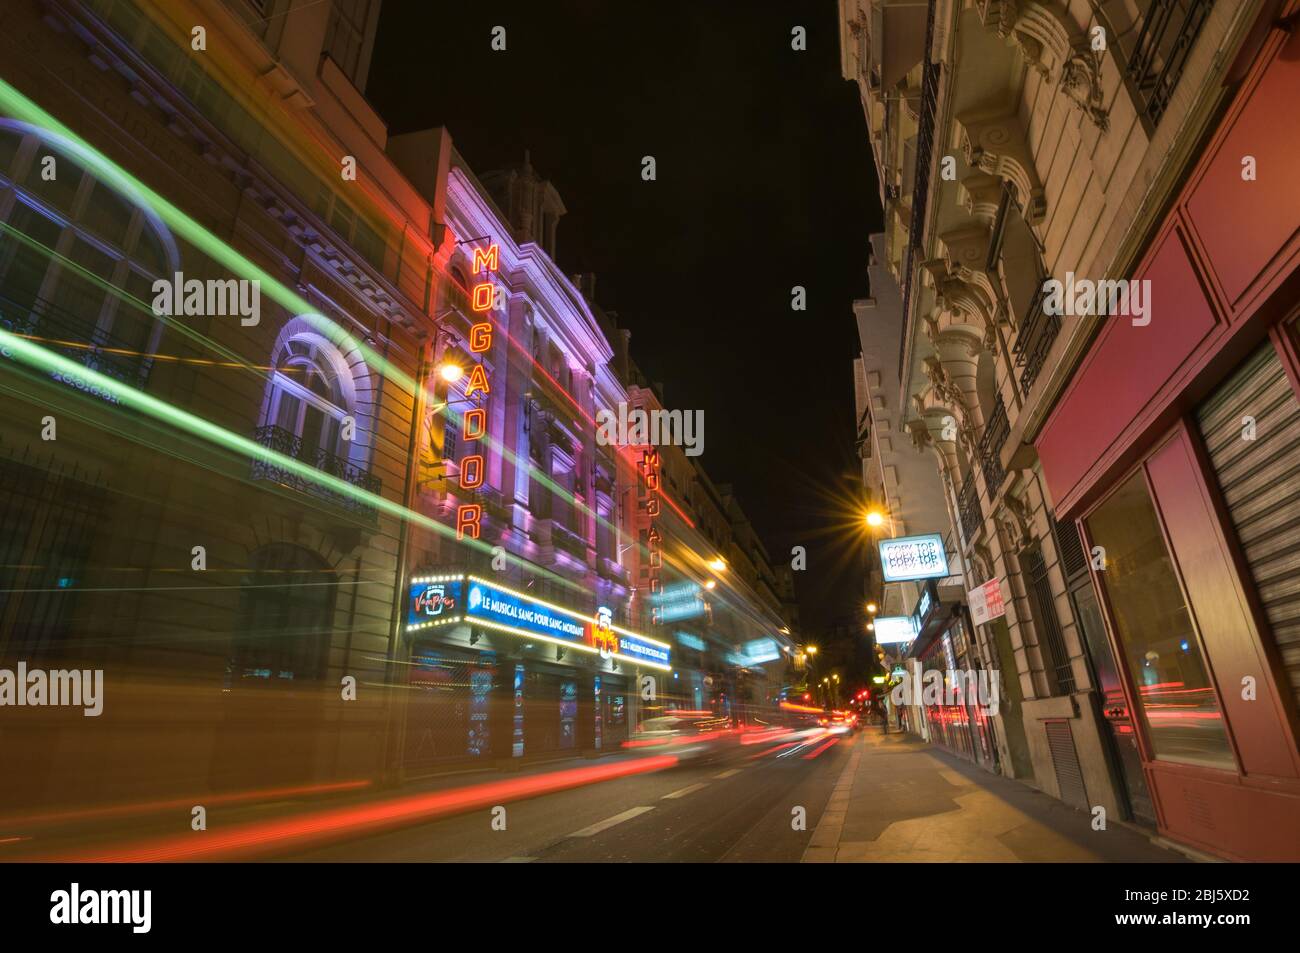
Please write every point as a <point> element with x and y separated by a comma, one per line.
<point>913,557</point>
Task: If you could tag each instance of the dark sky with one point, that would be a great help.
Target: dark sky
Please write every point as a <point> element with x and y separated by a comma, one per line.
<point>765,181</point>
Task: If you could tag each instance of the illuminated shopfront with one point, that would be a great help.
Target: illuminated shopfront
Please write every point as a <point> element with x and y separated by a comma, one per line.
<point>503,674</point>
<point>1175,449</point>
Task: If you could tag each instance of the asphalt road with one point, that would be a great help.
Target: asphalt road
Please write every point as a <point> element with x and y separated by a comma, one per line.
<point>737,808</point>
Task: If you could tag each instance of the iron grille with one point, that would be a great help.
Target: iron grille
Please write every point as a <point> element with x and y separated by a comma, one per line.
<point>1034,341</point>
<point>996,431</point>
<point>1070,548</point>
<point>1169,31</point>
<point>1056,659</point>
<point>968,504</point>
<point>289,444</point>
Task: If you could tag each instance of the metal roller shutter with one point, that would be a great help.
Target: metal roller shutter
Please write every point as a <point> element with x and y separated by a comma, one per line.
<point>1260,479</point>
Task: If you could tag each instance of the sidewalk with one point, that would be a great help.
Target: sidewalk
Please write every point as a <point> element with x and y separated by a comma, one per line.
<point>902,800</point>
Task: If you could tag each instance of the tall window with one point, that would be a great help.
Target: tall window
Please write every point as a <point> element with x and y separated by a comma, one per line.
<point>72,255</point>
<point>345,35</point>
<point>308,402</point>
<point>286,614</point>
<point>1176,698</point>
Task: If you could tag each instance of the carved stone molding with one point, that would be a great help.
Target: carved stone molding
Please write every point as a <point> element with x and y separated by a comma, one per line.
<point>1081,83</point>
<point>995,143</point>
<point>1016,522</point>
<point>980,194</point>
<point>983,560</point>
<point>1054,47</point>
<point>919,432</point>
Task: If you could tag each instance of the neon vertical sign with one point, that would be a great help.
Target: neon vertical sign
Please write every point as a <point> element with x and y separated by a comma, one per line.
<point>473,464</point>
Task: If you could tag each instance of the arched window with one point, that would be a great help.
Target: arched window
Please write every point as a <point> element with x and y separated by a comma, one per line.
<point>286,615</point>
<point>308,397</point>
<point>73,253</point>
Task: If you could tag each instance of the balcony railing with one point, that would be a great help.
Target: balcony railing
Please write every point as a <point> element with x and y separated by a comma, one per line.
<point>968,505</point>
<point>1037,332</point>
<point>994,438</point>
<point>921,184</point>
<point>289,444</point>
<point>1169,31</point>
<point>64,332</point>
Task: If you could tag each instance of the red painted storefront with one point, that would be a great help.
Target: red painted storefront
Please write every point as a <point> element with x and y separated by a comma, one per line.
<point>1142,451</point>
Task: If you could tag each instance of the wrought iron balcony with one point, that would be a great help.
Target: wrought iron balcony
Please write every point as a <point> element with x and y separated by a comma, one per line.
<point>968,505</point>
<point>921,186</point>
<point>1037,332</point>
<point>71,336</point>
<point>1169,31</point>
<point>289,444</point>
<point>996,430</point>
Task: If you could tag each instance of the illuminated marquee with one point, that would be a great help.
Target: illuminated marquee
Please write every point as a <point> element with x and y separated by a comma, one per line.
<point>441,600</point>
<point>474,421</point>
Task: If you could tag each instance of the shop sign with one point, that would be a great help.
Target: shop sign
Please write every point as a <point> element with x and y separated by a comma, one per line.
<point>433,600</point>
<point>894,629</point>
<point>986,602</point>
<point>913,557</point>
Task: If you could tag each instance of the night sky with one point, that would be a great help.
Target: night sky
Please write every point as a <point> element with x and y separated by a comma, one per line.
<point>765,181</point>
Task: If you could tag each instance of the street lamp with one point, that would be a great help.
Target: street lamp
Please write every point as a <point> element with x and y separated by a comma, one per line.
<point>718,564</point>
<point>875,518</point>
<point>872,608</point>
<point>451,372</point>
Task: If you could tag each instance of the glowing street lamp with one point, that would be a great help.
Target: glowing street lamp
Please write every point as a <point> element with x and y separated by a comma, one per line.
<point>718,564</point>
<point>872,608</point>
<point>451,372</point>
<point>875,518</point>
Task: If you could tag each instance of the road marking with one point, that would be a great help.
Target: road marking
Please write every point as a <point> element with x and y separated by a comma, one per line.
<point>727,774</point>
<point>685,791</point>
<point>518,860</point>
<point>609,822</point>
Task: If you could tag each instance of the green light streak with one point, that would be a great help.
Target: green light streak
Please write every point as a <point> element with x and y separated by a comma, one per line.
<point>20,106</point>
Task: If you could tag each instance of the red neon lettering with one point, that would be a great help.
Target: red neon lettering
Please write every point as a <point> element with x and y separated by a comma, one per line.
<point>482,296</point>
<point>480,337</point>
<point>490,259</point>
<point>467,518</point>
<point>471,472</point>
<point>475,424</point>
<point>477,382</point>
